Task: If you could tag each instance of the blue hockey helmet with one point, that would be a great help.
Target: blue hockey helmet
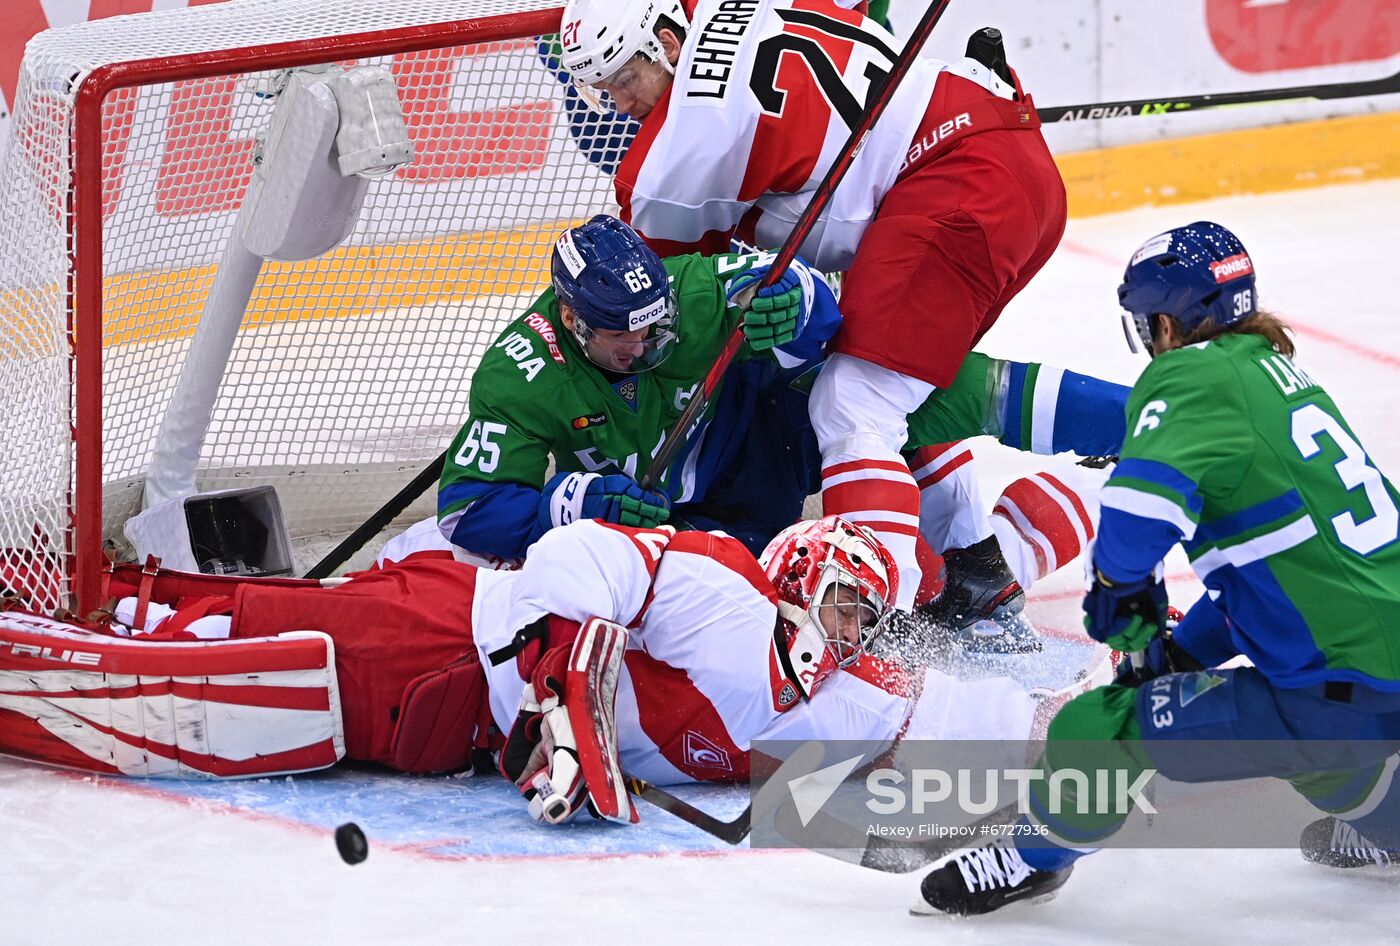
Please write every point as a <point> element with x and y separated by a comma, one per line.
<point>1193,273</point>
<point>624,308</point>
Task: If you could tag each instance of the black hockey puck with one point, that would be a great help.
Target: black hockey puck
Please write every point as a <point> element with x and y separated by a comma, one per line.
<point>350,841</point>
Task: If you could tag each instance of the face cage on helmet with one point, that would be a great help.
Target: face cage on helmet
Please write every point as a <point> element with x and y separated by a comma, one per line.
<point>1137,328</point>
<point>867,598</point>
<point>656,347</point>
<point>601,102</point>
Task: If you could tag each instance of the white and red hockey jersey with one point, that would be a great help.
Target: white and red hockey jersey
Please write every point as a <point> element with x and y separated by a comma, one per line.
<point>410,645</point>
<point>698,682</point>
<point>765,95</point>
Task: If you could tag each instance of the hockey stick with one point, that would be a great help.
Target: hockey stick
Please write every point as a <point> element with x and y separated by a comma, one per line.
<point>879,99</point>
<point>1191,103</point>
<point>1387,85</point>
<point>877,854</point>
<point>851,844</point>
<point>730,832</point>
<point>371,526</point>
<point>675,439</point>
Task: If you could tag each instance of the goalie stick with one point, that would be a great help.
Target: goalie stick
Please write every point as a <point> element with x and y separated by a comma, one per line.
<point>730,832</point>
<point>1177,104</point>
<point>875,107</point>
<point>371,527</point>
<point>878,853</point>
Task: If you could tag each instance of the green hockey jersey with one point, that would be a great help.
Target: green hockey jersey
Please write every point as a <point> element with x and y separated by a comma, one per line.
<point>1237,453</point>
<point>536,396</point>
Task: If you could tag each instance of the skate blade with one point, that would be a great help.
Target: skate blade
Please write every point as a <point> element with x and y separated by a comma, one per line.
<point>921,908</point>
<point>1016,635</point>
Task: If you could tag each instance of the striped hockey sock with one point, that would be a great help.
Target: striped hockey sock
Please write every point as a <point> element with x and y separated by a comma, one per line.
<point>951,512</point>
<point>879,493</point>
<point>1042,523</point>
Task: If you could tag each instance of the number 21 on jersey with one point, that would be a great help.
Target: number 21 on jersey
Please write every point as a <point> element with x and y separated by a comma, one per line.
<point>821,58</point>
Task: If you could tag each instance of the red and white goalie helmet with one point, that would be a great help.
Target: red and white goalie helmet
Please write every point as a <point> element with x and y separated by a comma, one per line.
<point>599,37</point>
<point>836,587</point>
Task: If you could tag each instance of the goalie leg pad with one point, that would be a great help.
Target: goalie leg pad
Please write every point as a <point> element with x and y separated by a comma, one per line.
<point>440,719</point>
<point>208,709</point>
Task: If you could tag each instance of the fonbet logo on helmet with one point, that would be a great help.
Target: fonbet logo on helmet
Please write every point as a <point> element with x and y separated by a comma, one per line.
<point>624,312</point>
<point>836,587</point>
<point>1194,273</point>
<point>599,37</point>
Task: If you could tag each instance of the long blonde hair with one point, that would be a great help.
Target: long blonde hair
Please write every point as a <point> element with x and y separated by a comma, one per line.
<point>1274,329</point>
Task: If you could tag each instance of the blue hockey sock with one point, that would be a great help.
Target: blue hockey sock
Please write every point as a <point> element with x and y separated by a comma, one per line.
<point>1041,853</point>
<point>1379,800</point>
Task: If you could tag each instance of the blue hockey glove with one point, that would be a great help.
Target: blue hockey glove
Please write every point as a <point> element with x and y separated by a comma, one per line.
<point>614,498</point>
<point>773,316</point>
<point>1125,616</point>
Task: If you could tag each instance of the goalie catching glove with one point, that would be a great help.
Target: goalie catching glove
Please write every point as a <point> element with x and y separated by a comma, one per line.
<point>777,314</point>
<point>562,750</point>
<point>615,498</point>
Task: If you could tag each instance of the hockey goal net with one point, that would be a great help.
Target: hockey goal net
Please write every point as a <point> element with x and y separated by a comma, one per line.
<point>132,144</point>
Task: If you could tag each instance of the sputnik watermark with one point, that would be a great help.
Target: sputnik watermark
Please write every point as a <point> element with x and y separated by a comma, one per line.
<point>874,799</point>
<point>912,832</point>
<point>1100,792</point>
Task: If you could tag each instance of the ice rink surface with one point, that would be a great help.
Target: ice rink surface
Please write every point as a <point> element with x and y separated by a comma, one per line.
<point>88,860</point>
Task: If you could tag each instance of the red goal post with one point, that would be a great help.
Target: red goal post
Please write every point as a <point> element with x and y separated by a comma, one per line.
<point>130,148</point>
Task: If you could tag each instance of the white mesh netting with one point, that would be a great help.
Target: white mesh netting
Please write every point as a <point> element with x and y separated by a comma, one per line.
<point>351,371</point>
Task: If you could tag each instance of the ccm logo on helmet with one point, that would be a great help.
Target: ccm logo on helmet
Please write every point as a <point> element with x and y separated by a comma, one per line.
<point>1232,267</point>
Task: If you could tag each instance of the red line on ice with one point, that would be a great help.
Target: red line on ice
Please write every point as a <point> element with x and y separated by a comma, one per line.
<point>416,849</point>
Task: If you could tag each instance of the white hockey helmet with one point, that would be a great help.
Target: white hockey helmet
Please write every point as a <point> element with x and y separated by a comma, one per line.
<point>837,585</point>
<point>599,37</point>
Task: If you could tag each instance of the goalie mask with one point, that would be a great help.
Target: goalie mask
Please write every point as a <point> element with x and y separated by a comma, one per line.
<point>836,588</point>
<point>600,37</point>
<point>620,293</point>
<point>1193,273</point>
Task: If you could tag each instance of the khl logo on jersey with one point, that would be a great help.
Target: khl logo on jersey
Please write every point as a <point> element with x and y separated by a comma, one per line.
<point>627,390</point>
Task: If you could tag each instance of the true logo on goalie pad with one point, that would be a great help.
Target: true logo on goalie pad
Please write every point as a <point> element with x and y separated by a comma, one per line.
<point>151,708</point>
<point>79,657</point>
